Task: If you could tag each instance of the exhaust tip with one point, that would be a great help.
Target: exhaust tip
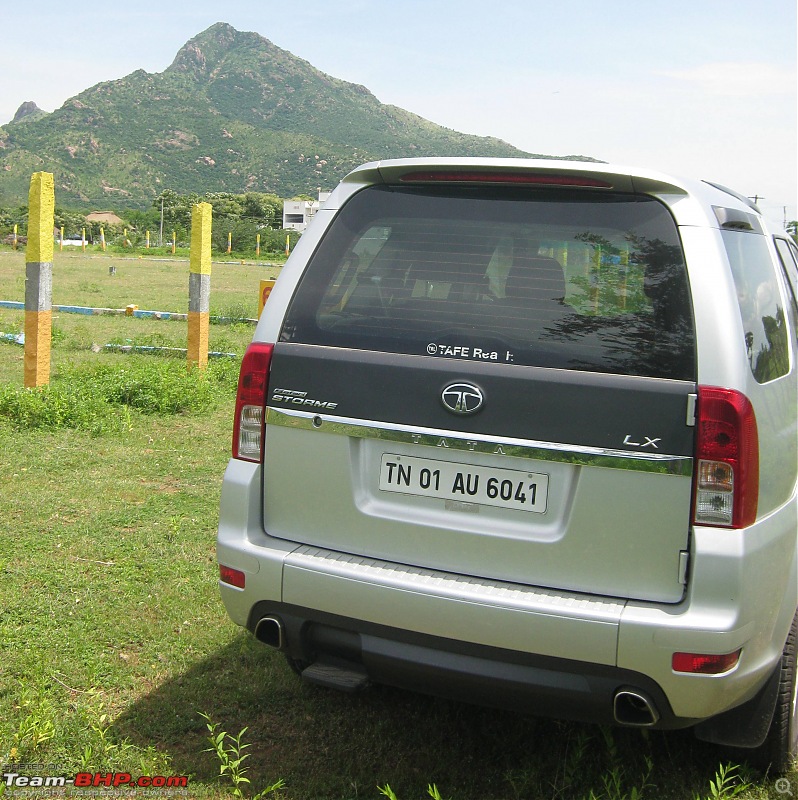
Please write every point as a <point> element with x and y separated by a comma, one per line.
<point>269,630</point>
<point>634,708</point>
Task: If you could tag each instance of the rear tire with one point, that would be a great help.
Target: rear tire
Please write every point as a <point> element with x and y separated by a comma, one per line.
<point>780,748</point>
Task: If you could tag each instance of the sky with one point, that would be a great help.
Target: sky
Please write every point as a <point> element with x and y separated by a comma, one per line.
<point>696,88</point>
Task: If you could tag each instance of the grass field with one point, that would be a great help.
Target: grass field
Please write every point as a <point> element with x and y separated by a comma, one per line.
<point>151,284</point>
<point>157,284</point>
<point>113,640</point>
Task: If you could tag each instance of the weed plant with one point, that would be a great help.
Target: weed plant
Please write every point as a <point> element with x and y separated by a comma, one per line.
<point>229,751</point>
<point>100,398</point>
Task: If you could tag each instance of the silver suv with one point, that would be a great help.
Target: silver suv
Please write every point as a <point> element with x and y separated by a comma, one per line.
<point>524,432</point>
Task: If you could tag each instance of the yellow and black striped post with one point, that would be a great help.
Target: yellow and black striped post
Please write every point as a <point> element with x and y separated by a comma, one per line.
<point>39,280</point>
<point>199,285</point>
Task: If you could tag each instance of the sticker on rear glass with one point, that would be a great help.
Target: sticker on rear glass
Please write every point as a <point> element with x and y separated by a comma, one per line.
<point>462,351</point>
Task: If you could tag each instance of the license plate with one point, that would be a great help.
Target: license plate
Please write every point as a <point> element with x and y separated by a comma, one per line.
<point>505,488</point>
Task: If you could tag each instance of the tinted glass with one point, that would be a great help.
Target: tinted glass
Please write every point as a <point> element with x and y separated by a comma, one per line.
<point>789,260</point>
<point>567,280</point>
<point>761,304</point>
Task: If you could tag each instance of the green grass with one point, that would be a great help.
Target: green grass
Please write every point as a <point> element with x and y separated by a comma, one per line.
<point>150,284</point>
<point>114,642</point>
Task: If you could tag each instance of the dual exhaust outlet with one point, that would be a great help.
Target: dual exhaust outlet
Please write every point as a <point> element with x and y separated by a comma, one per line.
<point>269,630</point>
<point>634,709</point>
<point>630,707</point>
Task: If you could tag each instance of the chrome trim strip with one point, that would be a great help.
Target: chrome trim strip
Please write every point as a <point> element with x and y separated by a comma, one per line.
<point>448,585</point>
<point>692,404</point>
<point>481,443</point>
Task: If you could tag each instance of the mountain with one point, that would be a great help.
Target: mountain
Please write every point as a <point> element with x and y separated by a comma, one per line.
<point>28,110</point>
<point>232,113</point>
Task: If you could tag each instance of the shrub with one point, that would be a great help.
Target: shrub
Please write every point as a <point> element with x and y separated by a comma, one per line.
<point>99,398</point>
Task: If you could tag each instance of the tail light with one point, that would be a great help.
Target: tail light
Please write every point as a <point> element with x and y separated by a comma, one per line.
<point>540,179</point>
<point>704,664</point>
<point>253,385</point>
<point>726,491</point>
<point>234,577</point>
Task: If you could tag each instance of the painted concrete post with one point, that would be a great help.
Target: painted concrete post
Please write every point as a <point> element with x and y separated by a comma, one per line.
<point>83,239</point>
<point>15,236</point>
<point>39,280</point>
<point>102,239</point>
<point>257,245</point>
<point>199,284</point>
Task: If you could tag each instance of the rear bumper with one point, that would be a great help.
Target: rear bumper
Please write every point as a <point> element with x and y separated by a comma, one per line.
<point>490,676</point>
<point>550,652</point>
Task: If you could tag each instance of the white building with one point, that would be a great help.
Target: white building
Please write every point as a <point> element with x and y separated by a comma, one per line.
<point>298,213</point>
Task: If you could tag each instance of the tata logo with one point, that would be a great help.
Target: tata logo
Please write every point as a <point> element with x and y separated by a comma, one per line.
<point>462,398</point>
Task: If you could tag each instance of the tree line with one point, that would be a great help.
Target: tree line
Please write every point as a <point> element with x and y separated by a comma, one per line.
<point>239,218</point>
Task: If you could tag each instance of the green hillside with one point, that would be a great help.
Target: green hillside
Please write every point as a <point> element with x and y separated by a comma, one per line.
<point>233,113</point>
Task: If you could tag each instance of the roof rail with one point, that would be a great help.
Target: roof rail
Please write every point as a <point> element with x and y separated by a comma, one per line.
<point>741,197</point>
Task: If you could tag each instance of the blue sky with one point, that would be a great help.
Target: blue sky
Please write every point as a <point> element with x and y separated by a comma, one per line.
<point>703,88</point>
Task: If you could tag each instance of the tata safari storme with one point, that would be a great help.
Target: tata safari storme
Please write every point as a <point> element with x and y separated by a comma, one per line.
<point>524,432</point>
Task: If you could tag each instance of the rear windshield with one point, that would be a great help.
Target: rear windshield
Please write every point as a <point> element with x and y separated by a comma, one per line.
<point>566,280</point>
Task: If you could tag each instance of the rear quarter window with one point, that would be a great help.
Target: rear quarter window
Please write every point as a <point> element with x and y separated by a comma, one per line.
<point>566,280</point>
<point>788,254</point>
<point>761,304</point>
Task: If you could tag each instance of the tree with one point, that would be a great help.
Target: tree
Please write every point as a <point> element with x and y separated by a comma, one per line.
<point>13,216</point>
<point>148,220</point>
<point>243,215</point>
<point>225,204</point>
<point>265,209</point>
<point>72,222</point>
<point>176,212</point>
